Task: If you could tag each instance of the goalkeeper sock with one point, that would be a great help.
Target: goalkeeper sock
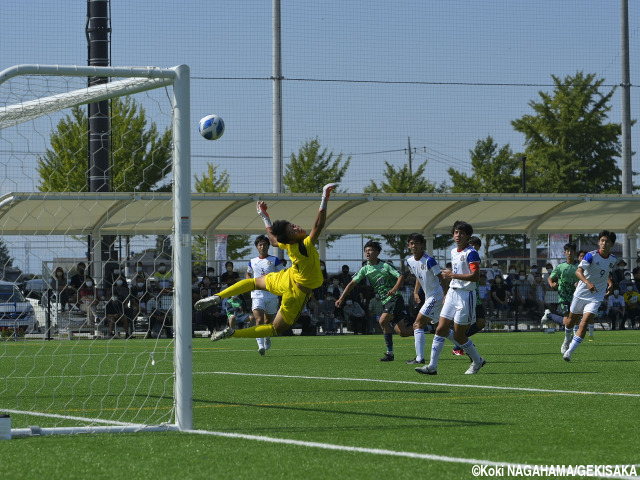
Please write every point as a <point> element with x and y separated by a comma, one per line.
<point>259,331</point>
<point>243,286</point>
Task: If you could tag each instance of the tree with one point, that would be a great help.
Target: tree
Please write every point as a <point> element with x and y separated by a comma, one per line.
<point>141,156</point>
<point>570,146</point>
<point>211,182</point>
<point>312,169</point>
<point>403,180</point>
<point>6,260</point>
<point>494,169</point>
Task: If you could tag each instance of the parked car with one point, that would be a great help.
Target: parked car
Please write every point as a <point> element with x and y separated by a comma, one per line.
<point>15,310</point>
<point>35,288</point>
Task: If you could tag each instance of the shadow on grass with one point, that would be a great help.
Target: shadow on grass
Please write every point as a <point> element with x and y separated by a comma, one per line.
<point>444,422</point>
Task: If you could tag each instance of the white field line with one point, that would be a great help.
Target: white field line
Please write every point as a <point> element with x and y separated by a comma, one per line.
<point>378,451</point>
<point>404,382</point>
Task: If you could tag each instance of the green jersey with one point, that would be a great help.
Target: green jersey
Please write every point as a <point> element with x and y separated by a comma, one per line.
<point>382,276</point>
<point>566,276</point>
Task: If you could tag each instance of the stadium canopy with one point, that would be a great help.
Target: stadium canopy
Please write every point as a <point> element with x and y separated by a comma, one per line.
<point>355,213</point>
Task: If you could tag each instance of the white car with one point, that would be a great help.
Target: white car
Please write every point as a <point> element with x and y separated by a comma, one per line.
<point>15,310</point>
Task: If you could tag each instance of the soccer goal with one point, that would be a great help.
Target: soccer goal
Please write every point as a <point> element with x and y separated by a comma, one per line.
<point>107,348</point>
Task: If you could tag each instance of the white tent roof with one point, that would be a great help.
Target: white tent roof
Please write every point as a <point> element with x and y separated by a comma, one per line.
<point>152,213</point>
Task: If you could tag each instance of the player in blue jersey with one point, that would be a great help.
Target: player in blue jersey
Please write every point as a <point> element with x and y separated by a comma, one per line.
<point>594,273</point>
<point>459,309</point>
<point>428,276</point>
<point>264,304</point>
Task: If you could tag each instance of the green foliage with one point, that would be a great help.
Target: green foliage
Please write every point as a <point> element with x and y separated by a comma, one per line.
<point>212,182</point>
<point>570,146</point>
<point>311,169</point>
<point>6,260</point>
<point>403,180</point>
<point>494,169</point>
<point>141,156</point>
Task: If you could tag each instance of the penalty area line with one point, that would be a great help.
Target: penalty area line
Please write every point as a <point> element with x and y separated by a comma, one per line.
<point>438,384</point>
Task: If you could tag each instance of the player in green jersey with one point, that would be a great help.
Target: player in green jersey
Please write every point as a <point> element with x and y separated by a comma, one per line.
<point>563,278</point>
<point>385,281</point>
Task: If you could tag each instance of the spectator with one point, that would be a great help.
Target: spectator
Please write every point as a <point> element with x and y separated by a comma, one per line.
<point>354,313</point>
<point>345,276</point>
<point>87,296</point>
<point>139,295</point>
<point>625,281</point>
<point>60,288</point>
<point>494,272</point>
<point>538,291</point>
<point>229,277</point>
<point>636,271</point>
<point>206,317</point>
<point>512,277</point>
<point>521,294</point>
<point>532,273</point>
<point>237,313</point>
<point>615,309</point>
<point>321,291</point>
<point>484,290</point>
<point>375,311</point>
<point>140,270</point>
<point>500,297</point>
<point>76,282</point>
<point>207,284</point>
<point>114,311</point>
<point>121,291</point>
<point>164,279</point>
<point>632,310</point>
<point>327,314</point>
<point>211,273</point>
<point>620,273</point>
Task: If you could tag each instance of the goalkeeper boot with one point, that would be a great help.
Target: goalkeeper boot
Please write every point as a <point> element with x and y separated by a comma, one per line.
<point>207,302</point>
<point>221,335</point>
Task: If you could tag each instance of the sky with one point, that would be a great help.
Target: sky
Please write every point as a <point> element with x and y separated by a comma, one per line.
<point>363,77</point>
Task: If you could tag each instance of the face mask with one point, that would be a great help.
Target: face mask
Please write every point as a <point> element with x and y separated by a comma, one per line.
<point>322,267</point>
<point>140,285</point>
<point>627,277</point>
<point>521,277</point>
<point>629,288</point>
<point>512,271</point>
<point>335,283</point>
<point>496,269</point>
<point>616,292</point>
<point>139,269</point>
<point>534,270</point>
<point>116,272</point>
<point>162,269</point>
<point>89,284</point>
<point>115,299</point>
<point>59,274</point>
<point>119,282</point>
<point>210,274</point>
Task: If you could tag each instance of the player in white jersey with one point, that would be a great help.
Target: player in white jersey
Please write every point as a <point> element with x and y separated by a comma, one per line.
<point>428,276</point>
<point>263,303</point>
<point>459,307</point>
<point>594,273</point>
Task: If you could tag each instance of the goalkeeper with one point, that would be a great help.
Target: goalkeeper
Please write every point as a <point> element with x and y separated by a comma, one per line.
<point>294,284</point>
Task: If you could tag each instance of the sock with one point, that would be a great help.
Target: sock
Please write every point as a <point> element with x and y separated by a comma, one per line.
<point>258,331</point>
<point>419,339</point>
<point>555,318</point>
<point>568,334</point>
<point>470,349</point>
<point>591,328</point>
<point>436,348</point>
<point>260,342</point>
<point>450,337</point>
<point>575,343</point>
<point>388,340</point>
<point>472,330</point>
<point>243,286</point>
<point>575,329</point>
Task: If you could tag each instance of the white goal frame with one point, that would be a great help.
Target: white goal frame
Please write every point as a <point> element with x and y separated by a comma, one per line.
<point>137,79</point>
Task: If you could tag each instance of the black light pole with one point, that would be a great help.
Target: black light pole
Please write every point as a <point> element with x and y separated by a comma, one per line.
<point>523,159</point>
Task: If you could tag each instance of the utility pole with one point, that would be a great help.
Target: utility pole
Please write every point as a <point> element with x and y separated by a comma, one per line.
<point>409,150</point>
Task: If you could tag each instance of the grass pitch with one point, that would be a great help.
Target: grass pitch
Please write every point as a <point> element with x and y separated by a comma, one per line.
<point>326,407</point>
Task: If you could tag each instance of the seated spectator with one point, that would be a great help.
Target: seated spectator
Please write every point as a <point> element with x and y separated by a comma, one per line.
<point>60,288</point>
<point>139,295</point>
<point>626,280</point>
<point>76,282</point>
<point>512,277</point>
<point>229,277</point>
<point>206,317</point>
<point>500,297</point>
<point>632,308</point>
<point>548,269</point>
<point>327,317</point>
<point>237,312</point>
<point>88,299</point>
<point>615,309</point>
<point>164,279</point>
<point>375,308</point>
<point>620,272</point>
<point>493,272</point>
<point>484,290</point>
<point>207,284</point>
<point>159,318</point>
<point>521,294</point>
<point>354,314</point>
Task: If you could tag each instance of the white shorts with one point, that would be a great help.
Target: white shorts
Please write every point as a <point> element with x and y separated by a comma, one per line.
<point>460,306</point>
<point>431,308</point>
<point>581,305</point>
<point>268,305</point>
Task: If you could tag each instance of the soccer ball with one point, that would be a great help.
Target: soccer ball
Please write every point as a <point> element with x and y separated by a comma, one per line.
<point>211,127</point>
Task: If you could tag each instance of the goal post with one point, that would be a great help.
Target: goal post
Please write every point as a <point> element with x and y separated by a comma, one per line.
<point>94,383</point>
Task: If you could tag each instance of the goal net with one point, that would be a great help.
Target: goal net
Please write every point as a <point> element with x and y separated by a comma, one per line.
<point>95,249</point>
